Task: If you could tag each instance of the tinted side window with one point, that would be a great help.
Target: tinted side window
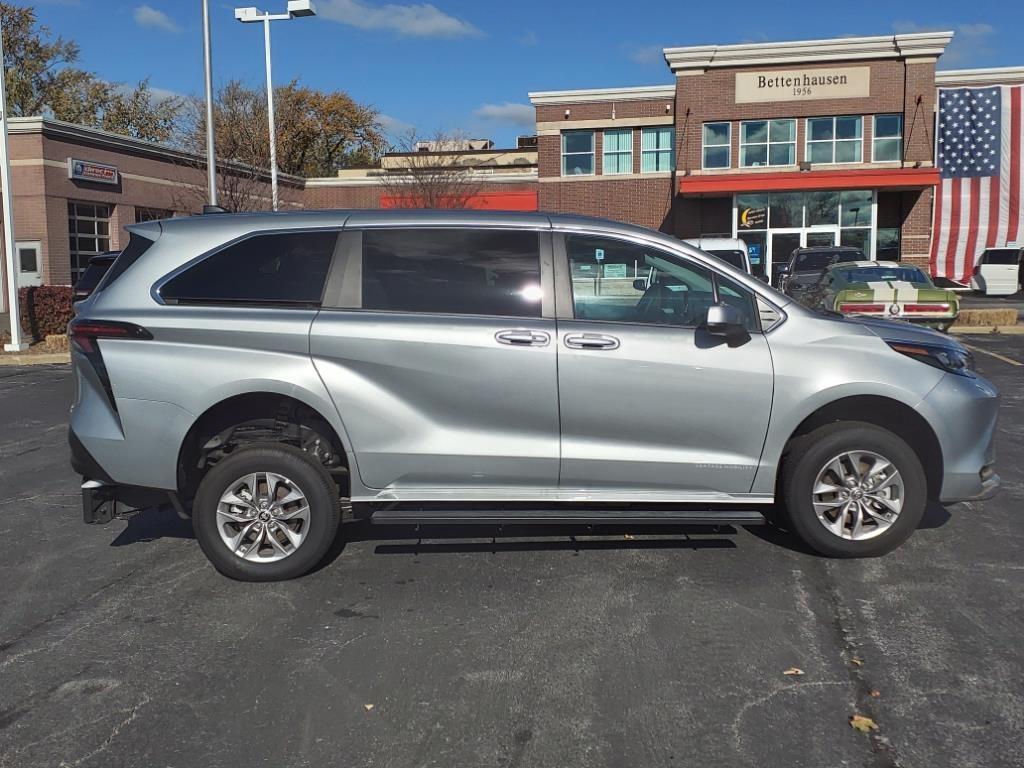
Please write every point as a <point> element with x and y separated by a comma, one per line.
<point>286,268</point>
<point>453,271</point>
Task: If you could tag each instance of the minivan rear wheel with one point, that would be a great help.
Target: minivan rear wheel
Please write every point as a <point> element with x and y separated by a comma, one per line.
<point>266,513</point>
<point>852,489</point>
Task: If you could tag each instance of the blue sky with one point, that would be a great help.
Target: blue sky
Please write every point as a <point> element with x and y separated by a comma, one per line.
<point>456,65</point>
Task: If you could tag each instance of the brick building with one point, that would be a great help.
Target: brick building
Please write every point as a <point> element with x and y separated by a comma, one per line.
<point>790,144</point>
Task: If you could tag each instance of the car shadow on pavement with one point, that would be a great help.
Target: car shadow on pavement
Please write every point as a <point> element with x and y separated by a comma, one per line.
<point>935,516</point>
<point>440,538</point>
<point>152,524</point>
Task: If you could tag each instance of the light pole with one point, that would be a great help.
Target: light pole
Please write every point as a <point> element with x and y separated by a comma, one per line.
<point>11,259</point>
<point>250,15</point>
<point>211,150</point>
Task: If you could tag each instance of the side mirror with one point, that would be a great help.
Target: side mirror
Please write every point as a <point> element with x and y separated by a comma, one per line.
<point>783,270</point>
<point>726,321</point>
<point>640,285</point>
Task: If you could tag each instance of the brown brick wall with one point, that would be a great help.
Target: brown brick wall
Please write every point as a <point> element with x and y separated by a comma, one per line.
<point>646,202</point>
<point>895,87</point>
<point>602,110</point>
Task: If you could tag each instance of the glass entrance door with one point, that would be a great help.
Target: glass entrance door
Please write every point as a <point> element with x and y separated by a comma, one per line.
<point>781,245</point>
<point>822,237</point>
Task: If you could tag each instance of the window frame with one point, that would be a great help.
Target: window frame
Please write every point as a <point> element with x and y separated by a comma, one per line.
<point>565,305</point>
<point>605,154</point>
<point>704,147</point>
<point>592,152</point>
<point>157,287</point>
<point>768,143</point>
<point>876,138</point>
<point>76,254</point>
<point>657,153</point>
<point>833,141</point>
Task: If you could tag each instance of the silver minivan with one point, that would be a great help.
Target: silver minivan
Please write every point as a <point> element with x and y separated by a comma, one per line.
<point>272,376</point>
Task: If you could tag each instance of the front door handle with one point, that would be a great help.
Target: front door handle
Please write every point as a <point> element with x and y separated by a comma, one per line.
<point>591,341</point>
<point>523,337</point>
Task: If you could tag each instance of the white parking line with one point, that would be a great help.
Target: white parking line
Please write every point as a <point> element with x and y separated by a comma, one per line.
<point>996,355</point>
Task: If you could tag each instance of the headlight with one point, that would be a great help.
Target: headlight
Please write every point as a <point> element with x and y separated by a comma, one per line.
<point>952,359</point>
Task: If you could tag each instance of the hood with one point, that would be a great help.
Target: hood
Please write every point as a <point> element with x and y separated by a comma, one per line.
<point>897,330</point>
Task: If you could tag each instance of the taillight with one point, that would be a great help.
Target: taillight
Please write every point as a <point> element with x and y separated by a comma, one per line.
<point>84,333</point>
<point>926,307</point>
<point>862,308</point>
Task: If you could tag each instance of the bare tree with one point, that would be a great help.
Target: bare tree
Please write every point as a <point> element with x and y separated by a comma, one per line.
<point>429,173</point>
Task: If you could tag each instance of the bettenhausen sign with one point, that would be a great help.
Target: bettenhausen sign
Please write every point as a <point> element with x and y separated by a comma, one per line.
<point>84,170</point>
<point>803,84</point>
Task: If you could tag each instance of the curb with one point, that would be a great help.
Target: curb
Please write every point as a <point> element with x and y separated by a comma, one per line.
<point>1008,330</point>
<point>48,358</point>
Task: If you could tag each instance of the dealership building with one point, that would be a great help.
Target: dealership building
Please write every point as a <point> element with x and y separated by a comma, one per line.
<point>790,144</point>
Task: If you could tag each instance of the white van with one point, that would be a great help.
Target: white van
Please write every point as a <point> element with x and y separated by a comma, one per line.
<point>998,271</point>
<point>731,250</point>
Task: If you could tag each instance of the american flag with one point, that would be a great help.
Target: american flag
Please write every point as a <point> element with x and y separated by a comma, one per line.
<point>978,202</point>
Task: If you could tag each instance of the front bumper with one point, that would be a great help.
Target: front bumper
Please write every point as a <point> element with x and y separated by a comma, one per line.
<point>964,411</point>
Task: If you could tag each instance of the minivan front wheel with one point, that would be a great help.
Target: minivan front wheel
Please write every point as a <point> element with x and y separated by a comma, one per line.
<point>853,490</point>
<point>266,513</point>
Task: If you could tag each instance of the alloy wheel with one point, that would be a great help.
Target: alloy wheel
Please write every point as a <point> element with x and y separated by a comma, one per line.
<point>858,495</point>
<point>263,517</point>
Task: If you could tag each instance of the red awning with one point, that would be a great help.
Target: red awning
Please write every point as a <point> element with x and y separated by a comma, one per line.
<point>861,178</point>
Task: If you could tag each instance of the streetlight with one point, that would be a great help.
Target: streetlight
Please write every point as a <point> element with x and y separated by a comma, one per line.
<point>211,151</point>
<point>250,15</point>
<point>11,261</point>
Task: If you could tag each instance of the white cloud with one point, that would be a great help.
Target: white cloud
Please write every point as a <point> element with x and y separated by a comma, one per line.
<point>507,113</point>
<point>145,16</point>
<point>647,54</point>
<point>528,38</point>
<point>972,43</point>
<point>395,127</point>
<point>412,20</point>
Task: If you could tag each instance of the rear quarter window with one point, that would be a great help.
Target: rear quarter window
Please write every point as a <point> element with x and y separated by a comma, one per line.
<point>1002,256</point>
<point>137,245</point>
<point>279,268</point>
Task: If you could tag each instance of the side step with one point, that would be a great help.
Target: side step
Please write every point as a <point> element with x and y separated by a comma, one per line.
<point>599,516</point>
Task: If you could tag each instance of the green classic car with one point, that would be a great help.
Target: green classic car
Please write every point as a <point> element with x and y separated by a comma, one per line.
<point>885,289</point>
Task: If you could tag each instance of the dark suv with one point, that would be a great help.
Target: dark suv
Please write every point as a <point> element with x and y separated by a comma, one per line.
<point>807,265</point>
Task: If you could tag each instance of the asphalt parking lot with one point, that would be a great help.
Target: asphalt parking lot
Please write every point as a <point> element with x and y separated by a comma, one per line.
<point>121,646</point>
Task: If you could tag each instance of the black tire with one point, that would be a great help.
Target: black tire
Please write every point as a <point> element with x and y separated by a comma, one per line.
<point>807,455</point>
<point>321,494</point>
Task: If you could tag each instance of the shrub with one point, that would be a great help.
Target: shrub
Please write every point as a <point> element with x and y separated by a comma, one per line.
<point>45,309</point>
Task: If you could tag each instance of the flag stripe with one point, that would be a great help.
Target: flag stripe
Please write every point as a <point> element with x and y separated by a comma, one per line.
<point>954,228</point>
<point>938,231</point>
<point>972,221</point>
<point>993,211</point>
<point>1015,170</point>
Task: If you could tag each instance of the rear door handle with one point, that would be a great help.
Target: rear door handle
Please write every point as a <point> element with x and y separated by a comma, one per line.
<point>591,341</point>
<point>523,337</point>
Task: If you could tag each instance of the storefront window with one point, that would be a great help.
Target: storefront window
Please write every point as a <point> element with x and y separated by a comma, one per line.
<point>835,139</point>
<point>618,152</point>
<point>88,234</point>
<point>857,238</point>
<point>887,244</point>
<point>786,209</point>
<point>656,149</point>
<point>856,208</point>
<point>717,137</point>
<point>577,153</point>
<point>822,208</point>
<point>887,143</point>
<point>767,142</point>
<point>752,212</point>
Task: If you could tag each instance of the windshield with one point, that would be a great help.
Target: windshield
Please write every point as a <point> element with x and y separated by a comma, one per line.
<point>817,260</point>
<point>885,274</point>
<point>731,257</point>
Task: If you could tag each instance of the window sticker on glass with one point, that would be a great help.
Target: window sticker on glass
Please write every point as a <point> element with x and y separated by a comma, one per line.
<point>599,254</point>
<point>615,270</point>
